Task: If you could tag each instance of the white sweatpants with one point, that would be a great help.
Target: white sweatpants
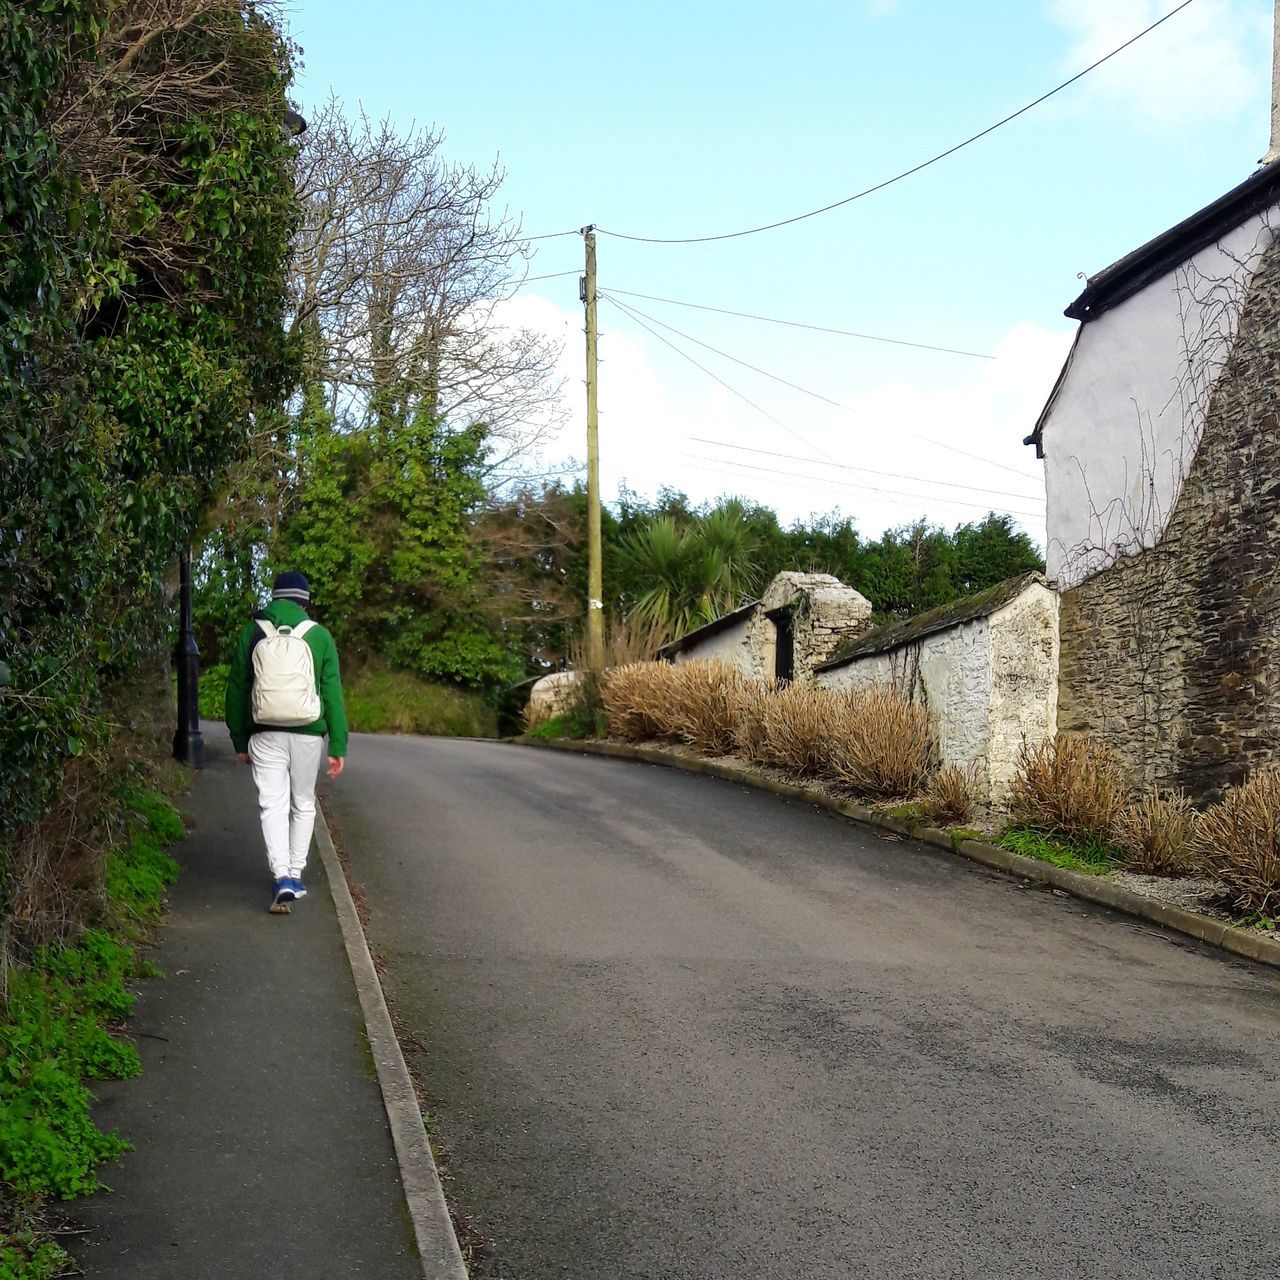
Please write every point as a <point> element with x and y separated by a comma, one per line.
<point>285,766</point>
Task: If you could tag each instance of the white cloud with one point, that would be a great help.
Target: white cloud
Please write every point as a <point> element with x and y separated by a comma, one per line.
<point>950,452</point>
<point>1205,64</point>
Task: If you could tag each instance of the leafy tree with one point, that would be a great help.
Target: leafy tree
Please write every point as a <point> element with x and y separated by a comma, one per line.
<point>382,525</point>
<point>652,563</point>
<point>991,551</point>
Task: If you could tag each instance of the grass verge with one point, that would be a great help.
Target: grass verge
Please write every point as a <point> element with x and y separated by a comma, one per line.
<point>60,1029</point>
<point>382,701</point>
<point>1090,856</point>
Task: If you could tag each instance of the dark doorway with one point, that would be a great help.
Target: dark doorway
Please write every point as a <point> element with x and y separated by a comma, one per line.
<point>784,653</point>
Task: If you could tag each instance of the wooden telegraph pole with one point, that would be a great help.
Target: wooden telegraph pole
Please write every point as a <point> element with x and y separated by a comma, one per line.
<point>595,587</point>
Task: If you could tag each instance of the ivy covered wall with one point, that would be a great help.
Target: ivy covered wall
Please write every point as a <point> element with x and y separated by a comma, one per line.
<point>147,187</point>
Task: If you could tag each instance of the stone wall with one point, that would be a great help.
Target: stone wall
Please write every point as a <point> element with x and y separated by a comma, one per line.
<point>1024,681</point>
<point>989,683</point>
<point>1173,655</point>
<point>950,673</point>
<point>825,615</point>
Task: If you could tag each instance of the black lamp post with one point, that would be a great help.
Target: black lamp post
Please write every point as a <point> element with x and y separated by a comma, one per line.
<point>188,741</point>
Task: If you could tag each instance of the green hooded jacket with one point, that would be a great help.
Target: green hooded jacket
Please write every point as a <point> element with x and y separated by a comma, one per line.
<point>324,653</point>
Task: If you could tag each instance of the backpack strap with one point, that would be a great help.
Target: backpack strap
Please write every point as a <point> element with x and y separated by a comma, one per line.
<point>304,626</point>
<point>268,627</point>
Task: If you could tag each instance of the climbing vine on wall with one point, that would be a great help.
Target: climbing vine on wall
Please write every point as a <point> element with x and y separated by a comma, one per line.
<point>146,178</point>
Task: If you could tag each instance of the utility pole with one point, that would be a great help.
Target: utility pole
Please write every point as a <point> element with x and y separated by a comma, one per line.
<point>1273,151</point>
<point>595,587</point>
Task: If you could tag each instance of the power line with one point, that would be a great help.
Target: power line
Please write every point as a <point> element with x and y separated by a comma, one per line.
<point>734,471</point>
<point>716,378</point>
<point>847,484</point>
<point>893,475</point>
<point>688,337</point>
<point>636,315</point>
<point>887,494</point>
<point>888,182</point>
<point>555,275</point>
<point>797,324</point>
<point>552,235</point>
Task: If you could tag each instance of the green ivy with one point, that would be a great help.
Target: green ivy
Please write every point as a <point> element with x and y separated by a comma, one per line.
<point>125,394</point>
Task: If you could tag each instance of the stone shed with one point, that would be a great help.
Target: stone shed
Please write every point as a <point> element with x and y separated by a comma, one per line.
<point>986,668</point>
<point>1161,449</point>
<point>797,624</point>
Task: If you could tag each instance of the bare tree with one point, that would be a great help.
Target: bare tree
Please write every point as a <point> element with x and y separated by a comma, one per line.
<point>401,263</point>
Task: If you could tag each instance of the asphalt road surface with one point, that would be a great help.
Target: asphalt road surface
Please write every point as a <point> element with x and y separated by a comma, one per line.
<point>673,1027</point>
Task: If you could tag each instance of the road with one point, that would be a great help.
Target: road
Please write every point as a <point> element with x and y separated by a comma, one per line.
<point>672,1027</point>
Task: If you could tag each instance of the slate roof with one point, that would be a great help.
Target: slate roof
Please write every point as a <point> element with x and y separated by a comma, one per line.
<point>943,618</point>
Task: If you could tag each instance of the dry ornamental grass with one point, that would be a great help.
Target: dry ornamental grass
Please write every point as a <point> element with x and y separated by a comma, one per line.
<point>1238,842</point>
<point>797,722</point>
<point>1069,784</point>
<point>1155,834</point>
<point>636,700</point>
<point>705,699</point>
<point>879,743</point>
<point>950,796</point>
<point>749,727</point>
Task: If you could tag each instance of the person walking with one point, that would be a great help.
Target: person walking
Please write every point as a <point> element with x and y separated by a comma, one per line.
<point>284,694</point>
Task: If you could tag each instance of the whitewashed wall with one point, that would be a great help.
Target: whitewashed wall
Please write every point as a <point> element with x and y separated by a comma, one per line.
<point>951,672</point>
<point>1123,429</point>
<point>988,683</point>
<point>733,644</point>
<point>828,614</point>
<point>550,696</point>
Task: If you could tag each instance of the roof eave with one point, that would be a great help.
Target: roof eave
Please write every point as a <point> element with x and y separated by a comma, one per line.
<point>722,623</point>
<point>1171,248</point>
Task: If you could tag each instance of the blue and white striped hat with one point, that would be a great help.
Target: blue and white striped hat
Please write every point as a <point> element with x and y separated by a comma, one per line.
<point>291,586</point>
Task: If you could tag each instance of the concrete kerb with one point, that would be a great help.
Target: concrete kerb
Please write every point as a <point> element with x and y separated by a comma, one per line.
<point>1216,933</point>
<point>432,1227</point>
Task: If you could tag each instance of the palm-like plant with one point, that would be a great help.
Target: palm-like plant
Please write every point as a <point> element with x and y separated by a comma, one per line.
<point>695,572</point>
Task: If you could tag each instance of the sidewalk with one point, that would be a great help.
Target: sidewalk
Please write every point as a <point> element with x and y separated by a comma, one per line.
<point>262,1148</point>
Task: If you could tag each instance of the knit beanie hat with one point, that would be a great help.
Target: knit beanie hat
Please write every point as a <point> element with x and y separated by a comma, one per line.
<point>291,586</point>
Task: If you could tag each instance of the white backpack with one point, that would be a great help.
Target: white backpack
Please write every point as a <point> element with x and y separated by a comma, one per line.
<point>284,677</point>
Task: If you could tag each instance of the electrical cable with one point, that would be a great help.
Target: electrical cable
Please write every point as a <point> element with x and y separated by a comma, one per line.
<point>635,313</point>
<point>555,235</point>
<point>555,275</point>
<point>688,337</point>
<point>716,378</point>
<point>893,475</point>
<point>887,494</point>
<point>850,484</point>
<point>797,324</point>
<point>888,182</point>
<point>735,469</point>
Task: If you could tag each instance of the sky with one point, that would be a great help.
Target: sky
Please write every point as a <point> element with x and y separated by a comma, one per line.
<point>698,118</point>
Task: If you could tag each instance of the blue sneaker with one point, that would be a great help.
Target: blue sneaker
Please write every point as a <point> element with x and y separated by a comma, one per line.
<point>283,895</point>
<point>299,889</point>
